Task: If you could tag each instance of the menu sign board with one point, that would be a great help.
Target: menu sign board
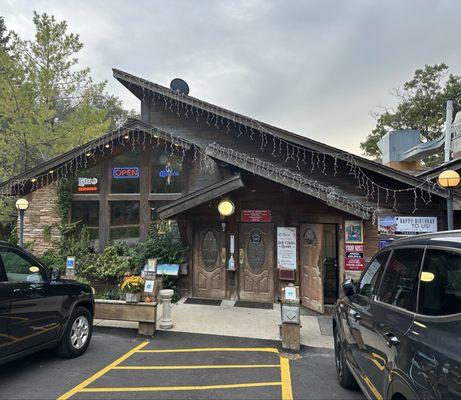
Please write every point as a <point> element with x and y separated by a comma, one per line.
<point>286,248</point>
<point>256,216</point>
<point>400,225</point>
<point>354,258</point>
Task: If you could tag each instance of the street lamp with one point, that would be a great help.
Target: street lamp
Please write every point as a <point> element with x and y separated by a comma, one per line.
<point>21,205</point>
<point>449,180</point>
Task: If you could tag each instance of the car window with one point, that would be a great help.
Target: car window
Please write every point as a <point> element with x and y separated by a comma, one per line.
<point>19,268</point>
<point>400,280</point>
<point>440,283</point>
<point>370,279</point>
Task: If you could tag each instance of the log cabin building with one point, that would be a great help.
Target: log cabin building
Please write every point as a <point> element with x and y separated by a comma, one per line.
<point>297,210</point>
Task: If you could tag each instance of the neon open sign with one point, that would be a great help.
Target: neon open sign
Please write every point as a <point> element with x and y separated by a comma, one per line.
<point>125,172</point>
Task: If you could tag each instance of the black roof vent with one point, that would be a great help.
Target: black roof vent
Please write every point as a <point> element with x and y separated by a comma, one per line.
<point>179,85</point>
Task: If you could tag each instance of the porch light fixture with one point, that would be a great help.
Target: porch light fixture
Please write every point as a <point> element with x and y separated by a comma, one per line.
<point>226,208</point>
<point>449,180</point>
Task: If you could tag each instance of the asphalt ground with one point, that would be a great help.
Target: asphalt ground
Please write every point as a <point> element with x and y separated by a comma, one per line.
<point>119,364</point>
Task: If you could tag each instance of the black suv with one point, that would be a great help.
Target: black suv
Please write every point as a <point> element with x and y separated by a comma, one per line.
<point>398,331</point>
<point>39,310</point>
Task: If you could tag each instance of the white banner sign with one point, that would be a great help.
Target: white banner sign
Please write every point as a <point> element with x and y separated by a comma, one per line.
<point>286,248</point>
<point>407,225</point>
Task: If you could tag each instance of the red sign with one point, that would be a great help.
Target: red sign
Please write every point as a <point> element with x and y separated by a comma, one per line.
<point>256,216</point>
<point>354,258</point>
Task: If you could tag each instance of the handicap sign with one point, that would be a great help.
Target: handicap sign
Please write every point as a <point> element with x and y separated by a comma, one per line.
<point>70,262</point>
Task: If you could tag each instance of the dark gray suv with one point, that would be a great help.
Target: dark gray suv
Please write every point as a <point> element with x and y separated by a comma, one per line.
<point>398,331</point>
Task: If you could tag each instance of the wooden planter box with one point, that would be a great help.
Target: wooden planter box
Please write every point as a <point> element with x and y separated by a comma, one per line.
<point>143,313</point>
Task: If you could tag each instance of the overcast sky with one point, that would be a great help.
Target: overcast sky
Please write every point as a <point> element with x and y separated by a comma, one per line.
<point>317,68</point>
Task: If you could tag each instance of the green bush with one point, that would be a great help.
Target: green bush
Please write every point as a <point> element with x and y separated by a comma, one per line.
<point>107,266</point>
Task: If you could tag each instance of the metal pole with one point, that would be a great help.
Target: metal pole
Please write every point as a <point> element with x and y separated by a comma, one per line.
<point>448,123</point>
<point>449,210</point>
<point>21,228</point>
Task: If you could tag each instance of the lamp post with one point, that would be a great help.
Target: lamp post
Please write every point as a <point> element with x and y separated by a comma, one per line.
<point>449,180</point>
<point>21,205</point>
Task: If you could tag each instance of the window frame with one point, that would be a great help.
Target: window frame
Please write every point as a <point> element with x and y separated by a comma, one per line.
<point>391,306</point>
<point>434,317</point>
<point>31,259</point>
<point>368,266</point>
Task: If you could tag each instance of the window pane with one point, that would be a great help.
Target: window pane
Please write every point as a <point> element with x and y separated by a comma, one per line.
<point>87,180</point>
<point>125,172</point>
<point>440,283</point>
<point>166,225</point>
<point>19,268</point>
<point>370,279</point>
<point>166,173</point>
<point>124,220</point>
<point>400,281</point>
<point>87,212</point>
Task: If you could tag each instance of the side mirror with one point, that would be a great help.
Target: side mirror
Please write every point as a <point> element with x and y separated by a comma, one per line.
<point>349,287</point>
<point>55,274</point>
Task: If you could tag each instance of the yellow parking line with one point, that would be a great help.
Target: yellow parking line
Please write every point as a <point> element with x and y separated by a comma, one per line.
<point>285,376</point>
<point>236,349</point>
<point>172,367</point>
<point>81,386</point>
<point>177,388</point>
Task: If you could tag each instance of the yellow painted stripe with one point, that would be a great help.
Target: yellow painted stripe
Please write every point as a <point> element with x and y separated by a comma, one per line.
<point>172,367</point>
<point>372,387</point>
<point>232,349</point>
<point>176,388</point>
<point>285,375</point>
<point>100,373</point>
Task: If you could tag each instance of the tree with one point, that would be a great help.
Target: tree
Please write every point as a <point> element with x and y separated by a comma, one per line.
<point>48,103</point>
<point>4,35</point>
<point>421,104</point>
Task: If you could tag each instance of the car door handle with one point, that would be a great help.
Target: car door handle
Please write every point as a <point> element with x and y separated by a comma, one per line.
<point>392,340</point>
<point>17,290</point>
<point>354,314</point>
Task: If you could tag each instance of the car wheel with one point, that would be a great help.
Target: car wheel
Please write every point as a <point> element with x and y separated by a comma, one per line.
<point>344,374</point>
<point>77,335</point>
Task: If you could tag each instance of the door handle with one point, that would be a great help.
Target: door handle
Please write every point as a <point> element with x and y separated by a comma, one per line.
<point>17,290</point>
<point>392,339</point>
<point>241,256</point>
<point>354,314</point>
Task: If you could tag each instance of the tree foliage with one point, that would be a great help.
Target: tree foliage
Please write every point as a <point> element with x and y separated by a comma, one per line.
<point>421,104</point>
<point>48,102</point>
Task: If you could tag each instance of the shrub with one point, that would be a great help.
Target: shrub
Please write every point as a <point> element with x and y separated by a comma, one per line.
<point>108,266</point>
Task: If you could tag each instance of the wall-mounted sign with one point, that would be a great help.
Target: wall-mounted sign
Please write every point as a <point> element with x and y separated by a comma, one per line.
<point>168,269</point>
<point>354,257</point>
<point>353,232</point>
<point>125,172</point>
<point>87,185</point>
<point>401,225</point>
<point>286,248</point>
<point>256,216</point>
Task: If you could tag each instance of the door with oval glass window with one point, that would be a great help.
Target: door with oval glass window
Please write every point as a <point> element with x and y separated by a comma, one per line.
<point>256,259</point>
<point>209,277</point>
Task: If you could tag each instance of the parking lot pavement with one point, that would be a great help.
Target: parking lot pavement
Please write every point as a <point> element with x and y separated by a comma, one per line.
<point>121,365</point>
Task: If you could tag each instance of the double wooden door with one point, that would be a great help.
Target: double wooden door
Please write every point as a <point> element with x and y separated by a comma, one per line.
<point>209,276</point>
<point>256,259</point>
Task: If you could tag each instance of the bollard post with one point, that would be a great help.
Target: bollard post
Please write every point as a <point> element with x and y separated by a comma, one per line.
<point>166,295</point>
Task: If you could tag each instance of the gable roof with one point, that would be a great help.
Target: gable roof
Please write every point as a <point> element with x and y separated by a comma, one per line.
<point>65,160</point>
<point>138,86</point>
<point>434,172</point>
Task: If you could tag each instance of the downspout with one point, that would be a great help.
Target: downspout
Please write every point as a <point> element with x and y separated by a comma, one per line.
<point>448,129</point>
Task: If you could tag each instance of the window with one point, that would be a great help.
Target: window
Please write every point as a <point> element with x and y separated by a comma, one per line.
<point>370,279</point>
<point>440,283</point>
<point>400,280</point>
<point>166,173</point>
<point>87,180</point>
<point>124,220</point>
<point>166,225</point>
<point>87,213</point>
<point>20,268</point>
<point>126,172</point>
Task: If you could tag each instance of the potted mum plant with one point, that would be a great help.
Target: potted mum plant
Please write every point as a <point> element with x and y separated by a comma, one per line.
<point>132,286</point>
